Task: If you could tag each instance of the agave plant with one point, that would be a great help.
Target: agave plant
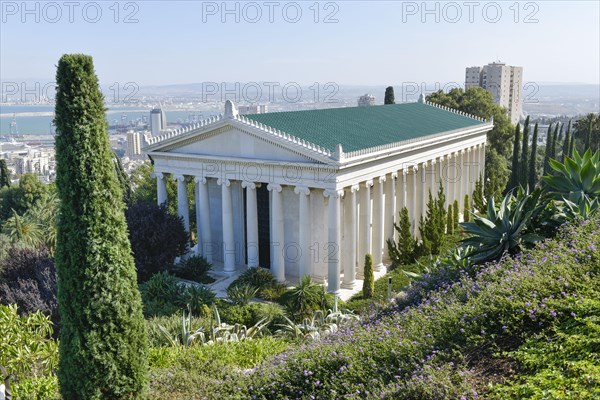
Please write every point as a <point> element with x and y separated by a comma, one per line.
<point>502,230</point>
<point>576,177</point>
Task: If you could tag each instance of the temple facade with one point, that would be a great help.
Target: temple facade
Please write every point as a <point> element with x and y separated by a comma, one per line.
<point>312,192</point>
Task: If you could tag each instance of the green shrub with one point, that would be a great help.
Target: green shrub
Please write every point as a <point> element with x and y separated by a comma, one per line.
<point>241,294</point>
<point>236,314</point>
<point>263,280</point>
<point>172,324</point>
<point>369,281</point>
<point>162,294</point>
<point>199,299</point>
<point>28,353</point>
<point>195,269</point>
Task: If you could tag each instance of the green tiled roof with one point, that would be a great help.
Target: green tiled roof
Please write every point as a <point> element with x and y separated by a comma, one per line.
<point>358,128</point>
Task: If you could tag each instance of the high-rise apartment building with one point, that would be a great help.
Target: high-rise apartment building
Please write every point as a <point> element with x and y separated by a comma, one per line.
<point>366,100</point>
<point>134,145</point>
<point>504,82</point>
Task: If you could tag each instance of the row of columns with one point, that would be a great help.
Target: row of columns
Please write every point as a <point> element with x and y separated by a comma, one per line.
<point>370,210</point>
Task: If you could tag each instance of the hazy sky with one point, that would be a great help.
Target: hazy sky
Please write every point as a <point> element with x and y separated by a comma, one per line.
<point>370,43</point>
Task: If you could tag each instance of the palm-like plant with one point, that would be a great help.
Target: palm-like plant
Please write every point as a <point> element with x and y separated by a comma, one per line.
<point>24,230</point>
<point>502,230</point>
<point>577,176</point>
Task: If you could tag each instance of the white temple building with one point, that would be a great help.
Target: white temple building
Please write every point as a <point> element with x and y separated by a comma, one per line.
<point>312,192</point>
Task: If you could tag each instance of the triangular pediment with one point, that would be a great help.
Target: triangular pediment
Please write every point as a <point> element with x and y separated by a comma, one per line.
<point>234,142</point>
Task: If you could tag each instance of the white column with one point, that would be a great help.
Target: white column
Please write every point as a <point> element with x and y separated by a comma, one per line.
<point>465,189</point>
<point>400,192</point>
<point>304,227</point>
<point>333,254</point>
<point>483,162</point>
<point>350,261</point>
<point>251,224</point>
<point>161,187</point>
<point>227,213</point>
<point>423,192</point>
<point>472,167</point>
<point>442,179</point>
<point>461,178</point>
<point>182,200</point>
<point>203,212</point>
<point>390,215</point>
<point>378,223</point>
<point>432,180</point>
<point>277,232</point>
<point>451,178</point>
<point>413,207</point>
<point>365,226</point>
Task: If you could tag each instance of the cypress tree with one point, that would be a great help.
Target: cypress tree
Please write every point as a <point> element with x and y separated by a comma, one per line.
<point>554,140</point>
<point>514,174</point>
<point>404,251</point>
<point>523,176</point>
<point>389,96</point>
<point>103,339</point>
<point>466,209</point>
<point>455,216</point>
<point>533,159</point>
<point>369,282</point>
<point>567,142</point>
<point>4,174</point>
<point>450,221</point>
<point>547,150</point>
<point>478,199</point>
<point>588,138</point>
<point>572,145</point>
<point>123,179</point>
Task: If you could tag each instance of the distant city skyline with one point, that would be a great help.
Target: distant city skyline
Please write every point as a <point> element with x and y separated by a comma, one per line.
<point>374,43</point>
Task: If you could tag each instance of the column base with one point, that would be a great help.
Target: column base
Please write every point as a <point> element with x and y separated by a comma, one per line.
<point>348,285</point>
<point>378,267</point>
<point>321,280</point>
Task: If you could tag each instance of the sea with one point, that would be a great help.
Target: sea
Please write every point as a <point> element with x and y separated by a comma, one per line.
<point>37,119</point>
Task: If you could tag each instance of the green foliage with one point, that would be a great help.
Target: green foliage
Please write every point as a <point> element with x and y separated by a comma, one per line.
<point>532,174</point>
<point>369,280</point>
<point>450,221</point>
<point>28,353</point>
<point>264,281</point>
<point>4,174</point>
<point>304,299</point>
<point>241,294</point>
<point>587,130</point>
<point>466,209</point>
<point>319,325</point>
<point>547,151</point>
<point>194,268</point>
<point>496,173</point>
<point>567,142</point>
<point>162,294</point>
<point>22,197</point>
<point>103,337</point>
<point>389,96</point>
<point>402,252</point>
<point>433,227</point>
<point>502,230</point>
<point>456,218</point>
<point>523,175</point>
<point>157,237</point>
<point>478,196</point>
<point>514,170</point>
<point>576,177</point>
<point>198,298</point>
<point>123,179</point>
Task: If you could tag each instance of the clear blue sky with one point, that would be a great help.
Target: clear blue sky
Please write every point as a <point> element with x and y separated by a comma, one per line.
<point>371,43</point>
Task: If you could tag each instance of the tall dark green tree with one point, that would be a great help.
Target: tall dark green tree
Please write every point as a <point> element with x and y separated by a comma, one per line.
<point>402,252</point>
<point>103,339</point>
<point>478,196</point>
<point>588,138</point>
<point>455,216</point>
<point>571,145</point>
<point>369,282</point>
<point>450,221</point>
<point>532,181</point>
<point>4,174</point>
<point>555,135</point>
<point>513,181</point>
<point>567,142</point>
<point>389,96</point>
<point>123,179</point>
<point>548,151</point>
<point>466,209</point>
<point>523,176</point>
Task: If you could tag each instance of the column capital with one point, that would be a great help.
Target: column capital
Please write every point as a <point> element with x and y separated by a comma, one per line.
<point>250,185</point>
<point>333,193</point>
<point>200,179</point>
<point>274,186</point>
<point>369,183</point>
<point>381,179</point>
<point>354,188</point>
<point>159,175</point>
<point>181,178</point>
<point>415,168</point>
<point>432,161</point>
<point>394,174</point>
<point>222,181</point>
<point>305,190</point>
